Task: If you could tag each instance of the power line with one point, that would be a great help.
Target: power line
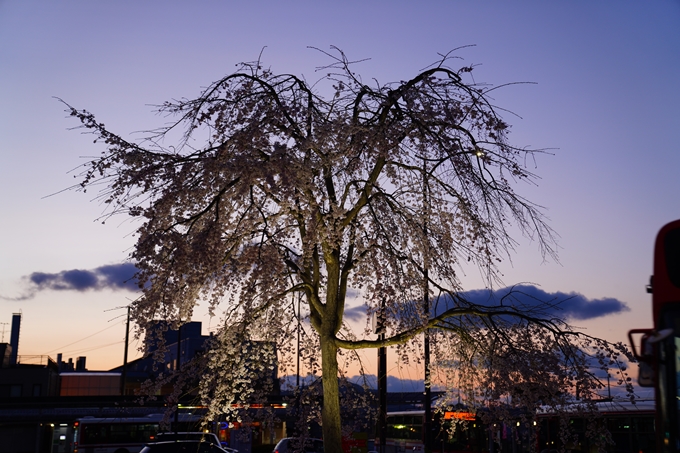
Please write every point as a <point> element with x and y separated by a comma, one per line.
<point>80,351</point>
<point>78,341</point>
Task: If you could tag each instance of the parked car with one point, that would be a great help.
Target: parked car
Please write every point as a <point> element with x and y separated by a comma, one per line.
<point>182,446</point>
<point>194,435</point>
<point>292,444</point>
<point>188,435</point>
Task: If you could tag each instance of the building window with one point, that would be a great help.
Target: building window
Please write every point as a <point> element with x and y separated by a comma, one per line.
<point>15,391</point>
<point>37,389</point>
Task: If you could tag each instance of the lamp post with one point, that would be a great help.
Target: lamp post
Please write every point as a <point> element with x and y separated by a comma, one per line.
<point>179,355</point>
<point>427,397</point>
<point>382,377</point>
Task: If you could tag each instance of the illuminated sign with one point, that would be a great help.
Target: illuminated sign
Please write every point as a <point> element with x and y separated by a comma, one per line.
<point>469,416</point>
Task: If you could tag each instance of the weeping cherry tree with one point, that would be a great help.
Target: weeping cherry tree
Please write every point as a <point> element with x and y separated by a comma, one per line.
<point>277,190</point>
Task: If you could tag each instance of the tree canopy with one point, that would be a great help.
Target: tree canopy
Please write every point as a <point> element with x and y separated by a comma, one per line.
<point>277,189</point>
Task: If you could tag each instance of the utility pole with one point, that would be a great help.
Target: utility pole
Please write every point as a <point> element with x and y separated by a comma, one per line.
<point>123,376</point>
<point>382,378</point>
<point>297,373</point>
<point>299,320</point>
<point>179,355</point>
<point>427,397</point>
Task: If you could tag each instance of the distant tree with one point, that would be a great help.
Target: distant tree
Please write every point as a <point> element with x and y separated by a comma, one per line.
<point>277,188</point>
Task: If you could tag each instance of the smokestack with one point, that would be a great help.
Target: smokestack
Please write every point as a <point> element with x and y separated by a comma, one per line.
<point>5,353</point>
<point>14,339</point>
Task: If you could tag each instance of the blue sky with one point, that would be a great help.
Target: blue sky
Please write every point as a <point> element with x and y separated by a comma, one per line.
<point>604,98</point>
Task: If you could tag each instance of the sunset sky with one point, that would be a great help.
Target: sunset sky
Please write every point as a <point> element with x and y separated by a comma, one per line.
<point>603,98</point>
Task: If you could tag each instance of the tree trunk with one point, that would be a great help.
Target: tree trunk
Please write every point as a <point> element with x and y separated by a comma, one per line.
<point>330,414</point>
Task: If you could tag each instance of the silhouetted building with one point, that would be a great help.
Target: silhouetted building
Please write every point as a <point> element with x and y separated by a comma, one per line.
<point>40,398</point>
<point>191,343</point>
<point>31,376</point>
<point>89,383</point>
<point>25,376</point>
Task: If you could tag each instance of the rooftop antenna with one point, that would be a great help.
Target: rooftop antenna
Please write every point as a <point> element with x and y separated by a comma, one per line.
<point>3,331</point>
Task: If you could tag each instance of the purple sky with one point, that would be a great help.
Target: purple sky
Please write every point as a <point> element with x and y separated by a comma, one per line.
<point>605,97</point>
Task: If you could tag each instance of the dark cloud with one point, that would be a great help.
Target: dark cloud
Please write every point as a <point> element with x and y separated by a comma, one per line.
<point>570,306</point>
<point>356,314</point>
<point>527,298</point>
<point>112,276</point>
<point>119,276</point>
<point>65,280</point>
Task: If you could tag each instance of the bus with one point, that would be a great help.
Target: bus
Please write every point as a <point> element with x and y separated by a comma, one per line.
<point>658,353</point>
<point>630,425</point>
<point>122,435</point>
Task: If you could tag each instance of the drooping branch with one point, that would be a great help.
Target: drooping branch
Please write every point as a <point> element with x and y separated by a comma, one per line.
<point>443,322</point>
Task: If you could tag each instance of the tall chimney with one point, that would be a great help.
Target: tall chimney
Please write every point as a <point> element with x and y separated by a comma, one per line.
<point>14,339</point>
